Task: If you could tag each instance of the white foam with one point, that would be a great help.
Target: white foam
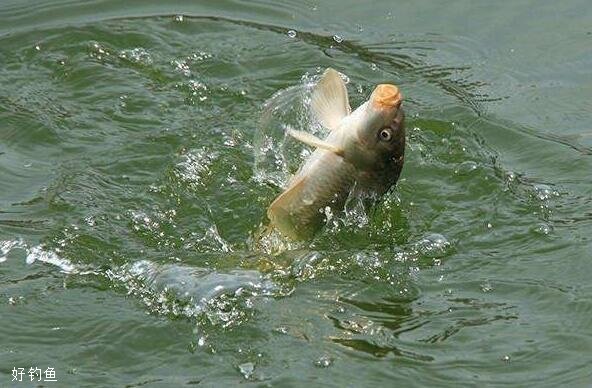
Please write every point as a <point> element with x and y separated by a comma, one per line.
<point>37,253</point>
<point>8,245</point>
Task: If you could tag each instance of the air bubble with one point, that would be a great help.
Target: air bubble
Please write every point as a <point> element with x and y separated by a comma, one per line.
<point>544,229</point>
<point>247,369</point>
<point>137,55</point>
<point>545,192</point>
<point>323,362</point>
<point>466,167</point>
<point>486,287</point>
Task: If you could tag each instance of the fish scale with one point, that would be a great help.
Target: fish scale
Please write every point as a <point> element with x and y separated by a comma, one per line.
<point>328,188</point>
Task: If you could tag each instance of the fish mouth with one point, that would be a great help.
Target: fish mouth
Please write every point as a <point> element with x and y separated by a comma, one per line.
<point>383,110</point>
<point>386,96</point>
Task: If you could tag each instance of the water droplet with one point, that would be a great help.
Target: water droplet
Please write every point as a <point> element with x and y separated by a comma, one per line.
<point>182,67</point>
<point>90,221</point>
<point>291,33</point>
<point>137,55</point>
<point>433,245</point>
<point>337,38</point>
<point>486,287</point>
<point>323,361</point>
<point>545,192</point>
<point>247,369</point>
<point>328,213</point>
<point>544,229</point>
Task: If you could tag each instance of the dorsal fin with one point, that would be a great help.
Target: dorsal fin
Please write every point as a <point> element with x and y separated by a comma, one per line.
<point>330,103</point>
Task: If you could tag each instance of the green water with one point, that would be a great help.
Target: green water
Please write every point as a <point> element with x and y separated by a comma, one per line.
<point>129,196</point>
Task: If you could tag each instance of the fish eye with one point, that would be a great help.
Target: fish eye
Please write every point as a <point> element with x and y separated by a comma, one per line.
<point>385,135</point>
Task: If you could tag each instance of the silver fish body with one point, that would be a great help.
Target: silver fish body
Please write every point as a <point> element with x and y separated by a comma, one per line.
<point>364,148</point>
<point>324,181</point>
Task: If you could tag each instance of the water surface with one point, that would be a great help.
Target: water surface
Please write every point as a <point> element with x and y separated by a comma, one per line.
<point>130,198</point>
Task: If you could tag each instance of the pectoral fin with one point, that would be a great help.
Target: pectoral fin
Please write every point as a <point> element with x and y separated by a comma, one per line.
<point>314,141</point>
<point>330,102</point>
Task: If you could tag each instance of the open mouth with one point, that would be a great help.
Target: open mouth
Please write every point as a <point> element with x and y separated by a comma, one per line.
<point>387,96</point>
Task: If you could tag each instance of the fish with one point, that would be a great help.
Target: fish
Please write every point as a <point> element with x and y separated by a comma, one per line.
<point>364,149</point>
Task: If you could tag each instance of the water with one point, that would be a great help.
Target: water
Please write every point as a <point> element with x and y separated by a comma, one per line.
<point>130,202</point>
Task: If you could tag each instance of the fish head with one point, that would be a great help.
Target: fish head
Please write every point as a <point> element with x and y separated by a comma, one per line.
<point>378,142</point>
